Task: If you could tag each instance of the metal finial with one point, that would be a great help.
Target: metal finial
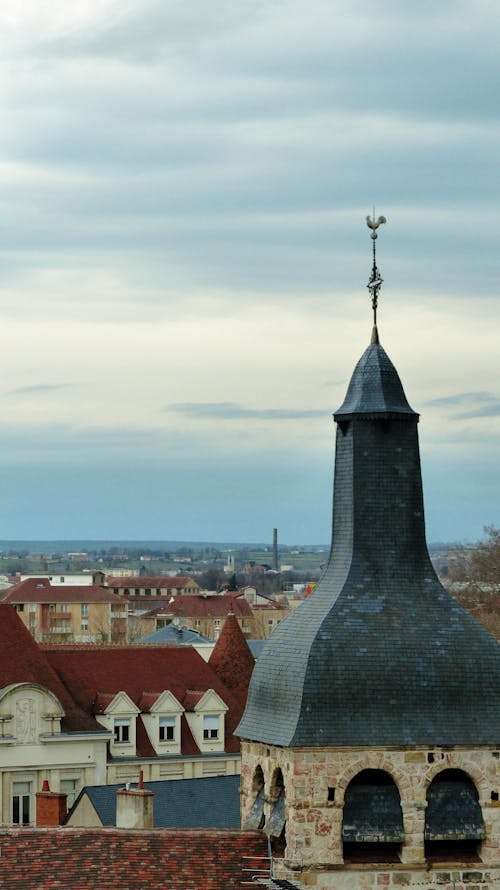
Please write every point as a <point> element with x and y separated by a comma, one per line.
<point>375,281</point>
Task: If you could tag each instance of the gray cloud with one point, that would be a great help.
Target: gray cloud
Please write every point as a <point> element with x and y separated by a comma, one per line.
<point>39,389</point>
<point>473,404</point>
<point>233,411</point>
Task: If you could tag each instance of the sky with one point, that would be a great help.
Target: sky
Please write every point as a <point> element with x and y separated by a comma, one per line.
<point>184,258</point>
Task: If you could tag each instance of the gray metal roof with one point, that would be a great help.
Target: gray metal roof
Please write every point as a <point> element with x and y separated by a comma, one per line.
<point>212,802</point>
<point>379,654</point>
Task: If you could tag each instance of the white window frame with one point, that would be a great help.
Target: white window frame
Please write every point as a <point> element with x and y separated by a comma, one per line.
<point>27,796</point>
<point>211,727</point>
<point>119,726</point>
<point>167,729</point>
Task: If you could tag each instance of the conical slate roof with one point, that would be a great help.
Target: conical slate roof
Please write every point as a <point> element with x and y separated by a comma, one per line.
<point>380,654</point>
<point>375,387</point>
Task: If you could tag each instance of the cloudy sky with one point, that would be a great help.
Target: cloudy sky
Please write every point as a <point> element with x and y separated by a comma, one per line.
<point>183,258</point>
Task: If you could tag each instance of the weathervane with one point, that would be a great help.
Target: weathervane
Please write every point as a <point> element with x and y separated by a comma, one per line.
<point>375,282</point>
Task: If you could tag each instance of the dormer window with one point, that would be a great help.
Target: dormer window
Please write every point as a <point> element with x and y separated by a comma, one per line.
<point>210,726</point>
<point>121,730</point>
<point>167,729</point>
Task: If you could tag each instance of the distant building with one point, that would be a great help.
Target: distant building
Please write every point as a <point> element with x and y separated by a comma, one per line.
<point>65,613</point>
<point>153,586</point>
<point>82,715</point>
<point>205,614</point>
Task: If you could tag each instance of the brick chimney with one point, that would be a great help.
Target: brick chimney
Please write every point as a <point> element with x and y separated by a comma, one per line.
<point>51,807</point>
<point>134,806</point>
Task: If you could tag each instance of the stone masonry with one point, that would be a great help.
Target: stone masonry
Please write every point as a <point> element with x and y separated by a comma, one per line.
<point>311,776</point>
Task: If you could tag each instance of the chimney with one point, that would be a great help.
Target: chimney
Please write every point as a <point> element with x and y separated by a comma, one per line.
<point>51,807</point>
<point>134,806</point>
<point>276,566</point>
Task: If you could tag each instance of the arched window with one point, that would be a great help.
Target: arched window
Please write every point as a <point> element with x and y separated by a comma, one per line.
<point>372,829</point>
<point>256,818</point>
<point>454,826</point>
<point>276,824</point>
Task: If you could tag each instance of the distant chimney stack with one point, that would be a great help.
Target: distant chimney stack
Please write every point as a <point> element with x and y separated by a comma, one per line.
<point>134,806</point>
<point>276,566</point>
<point>51,807</point>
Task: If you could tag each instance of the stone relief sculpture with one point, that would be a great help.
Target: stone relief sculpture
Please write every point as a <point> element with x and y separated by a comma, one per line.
<point>26,720</point>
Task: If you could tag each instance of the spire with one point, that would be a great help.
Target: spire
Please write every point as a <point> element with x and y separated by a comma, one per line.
<point>231,658</point>
<point>379,654</point>
<point>375,281</point>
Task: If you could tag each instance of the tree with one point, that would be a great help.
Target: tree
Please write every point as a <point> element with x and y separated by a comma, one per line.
<point>475,580</point>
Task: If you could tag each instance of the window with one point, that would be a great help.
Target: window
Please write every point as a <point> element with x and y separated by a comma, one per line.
<point>126,592</point>
<point>167,729</point>
<point>148,591</point>
<point>85,610</point>
<point>197,623</point>
<point>21,803</point>
<point>158,591</point>
<point>217,622</point>
<point>20,607</point>
<point>210,727</point>
<point>122,731</point>
<point>69,787</point>
<point>64,607</point>
<point>84,625</point>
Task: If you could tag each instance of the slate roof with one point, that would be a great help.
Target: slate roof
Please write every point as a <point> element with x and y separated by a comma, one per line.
<point>375,387</point>
<point>178,803</point>
<point>172,634</point>
<point>40,590</point>
<point>379,654</point>
<point>23,661</point>
<point>102,858</point>
<point>94,673</point>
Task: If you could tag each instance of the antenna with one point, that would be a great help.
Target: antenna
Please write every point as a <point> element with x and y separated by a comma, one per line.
<point>375,281</point>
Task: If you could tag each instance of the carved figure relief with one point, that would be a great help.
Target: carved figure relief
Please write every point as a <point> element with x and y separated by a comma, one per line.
<point>26,719</point>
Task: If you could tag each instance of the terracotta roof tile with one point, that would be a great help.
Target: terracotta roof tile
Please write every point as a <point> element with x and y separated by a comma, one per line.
<point>232,660</point>
<point>23,661</point>
<point>92,673</point>
<point>161,581</point>
<point>206,606</point>
<point>40,590</point>
<point>106,858</point>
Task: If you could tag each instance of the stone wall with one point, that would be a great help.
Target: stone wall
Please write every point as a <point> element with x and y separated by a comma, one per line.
<point>314,822</point>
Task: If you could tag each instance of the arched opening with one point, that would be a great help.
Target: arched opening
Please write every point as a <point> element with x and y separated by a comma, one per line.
<point>275,827</point>
<point>454,825</point>
<point>372,828</point>
<point>256,818</point>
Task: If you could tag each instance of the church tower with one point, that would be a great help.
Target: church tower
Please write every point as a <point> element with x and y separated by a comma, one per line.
<point>371,736</point>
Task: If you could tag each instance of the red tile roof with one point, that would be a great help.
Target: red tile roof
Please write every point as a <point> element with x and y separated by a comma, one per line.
<point>162,581</point>
<point>107,858</point>
<point>94,673</point>
<point>232,660</point>
<point>22,661</point>
<point>40,590</point>
<point>206,606</point>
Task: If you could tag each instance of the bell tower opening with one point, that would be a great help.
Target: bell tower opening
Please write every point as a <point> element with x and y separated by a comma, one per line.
<point>454,826</point>
<point>372,829</point>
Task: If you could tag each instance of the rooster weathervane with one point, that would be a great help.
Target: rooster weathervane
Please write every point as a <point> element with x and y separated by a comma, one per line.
<point>375,281</point>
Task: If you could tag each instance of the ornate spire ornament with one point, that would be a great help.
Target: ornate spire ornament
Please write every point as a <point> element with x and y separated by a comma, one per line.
<point>375,281</point>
